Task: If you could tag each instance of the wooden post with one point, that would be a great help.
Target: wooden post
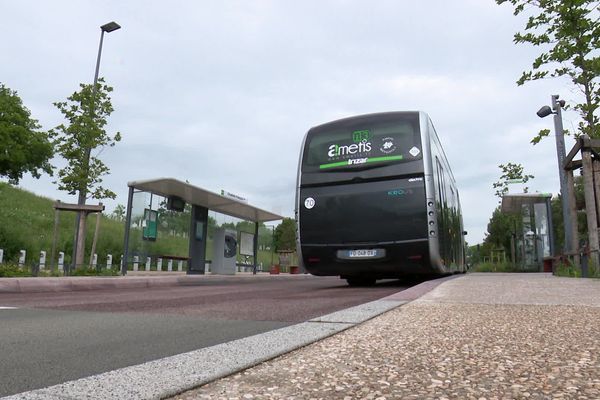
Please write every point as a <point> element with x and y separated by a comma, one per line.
<point>80,256</point>
<point>96,231</point>
<point>590,202</point>
<point>596,164</point>
<point>573,213</point>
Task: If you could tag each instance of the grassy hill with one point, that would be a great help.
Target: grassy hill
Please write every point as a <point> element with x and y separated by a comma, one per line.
<point>27,223</point>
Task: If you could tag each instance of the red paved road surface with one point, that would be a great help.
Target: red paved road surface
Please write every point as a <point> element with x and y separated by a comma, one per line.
<point>285,299</point>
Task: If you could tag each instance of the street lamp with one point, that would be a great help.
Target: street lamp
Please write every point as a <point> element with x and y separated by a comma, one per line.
<point>110,27</point>
<point>543,112</point>
<point>79,241</point>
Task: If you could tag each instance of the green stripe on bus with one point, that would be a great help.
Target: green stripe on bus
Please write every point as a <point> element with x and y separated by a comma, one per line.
<point>386,158</point>
<point>335,164</point>
<point>369,160</point>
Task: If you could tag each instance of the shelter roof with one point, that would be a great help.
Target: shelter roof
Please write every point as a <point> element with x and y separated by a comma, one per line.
<point>201,197</point>
<point>512,203</point>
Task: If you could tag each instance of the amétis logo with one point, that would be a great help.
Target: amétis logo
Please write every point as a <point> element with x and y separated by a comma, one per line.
<point>361,144</point>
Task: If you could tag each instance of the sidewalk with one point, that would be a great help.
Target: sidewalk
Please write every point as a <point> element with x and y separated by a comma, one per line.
<point>481,336</point>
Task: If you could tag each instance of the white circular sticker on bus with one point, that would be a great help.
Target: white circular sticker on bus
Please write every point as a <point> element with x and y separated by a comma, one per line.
<point>309,202</point>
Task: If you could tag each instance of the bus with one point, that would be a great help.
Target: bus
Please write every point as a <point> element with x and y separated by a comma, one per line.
<point>376,199</point>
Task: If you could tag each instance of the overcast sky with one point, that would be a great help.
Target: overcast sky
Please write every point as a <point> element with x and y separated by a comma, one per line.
<point>221,93</point>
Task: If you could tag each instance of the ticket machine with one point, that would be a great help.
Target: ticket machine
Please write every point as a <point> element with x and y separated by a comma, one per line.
<point>224,252</point>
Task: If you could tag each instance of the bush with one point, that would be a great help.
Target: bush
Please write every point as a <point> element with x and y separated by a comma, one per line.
<point>12,271</point>
<point>95,272</point>
<point>569,270</point>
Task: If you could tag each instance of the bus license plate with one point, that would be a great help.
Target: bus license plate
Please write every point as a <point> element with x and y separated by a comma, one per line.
<point>362,253</point>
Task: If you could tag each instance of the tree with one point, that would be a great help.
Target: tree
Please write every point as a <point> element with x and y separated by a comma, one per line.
<point>23,147</point>
<point>176,223</point>
<point>118,213</point>
<point>500,229</point>
<point>87,112</point>
<point>87,115</point>
<point>557,216</point>
<point>570,30</point>
<point>511,173</point>
<point>284,236</point>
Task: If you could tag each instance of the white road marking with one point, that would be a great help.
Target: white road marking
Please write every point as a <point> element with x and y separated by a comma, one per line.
<point>7,308</point>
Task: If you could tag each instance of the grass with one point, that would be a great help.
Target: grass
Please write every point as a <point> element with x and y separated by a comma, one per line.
<point>569,270</point>
<point>565,269</point>
<point>95,272</point>
<point>495,267</point>
<point>14,271</point>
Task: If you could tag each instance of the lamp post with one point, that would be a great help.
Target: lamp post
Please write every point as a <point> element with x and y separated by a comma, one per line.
<point>566,187</point>
<point>79,248</point>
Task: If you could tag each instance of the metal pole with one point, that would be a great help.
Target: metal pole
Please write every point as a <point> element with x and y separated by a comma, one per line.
<point>272,243</point>
<point>127,228</point>
<point>255,245</point>
<point>79,252</point>
<point>564,187</point>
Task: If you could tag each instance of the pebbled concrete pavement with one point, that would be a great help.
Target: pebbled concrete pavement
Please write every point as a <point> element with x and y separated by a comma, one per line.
<point>482,336</point>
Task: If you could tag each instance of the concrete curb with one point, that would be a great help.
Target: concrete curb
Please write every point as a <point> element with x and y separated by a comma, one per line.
<point>170,376</point>
<point>71,284</point>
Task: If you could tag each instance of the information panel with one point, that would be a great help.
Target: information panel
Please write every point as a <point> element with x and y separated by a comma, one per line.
<point>246,244</point>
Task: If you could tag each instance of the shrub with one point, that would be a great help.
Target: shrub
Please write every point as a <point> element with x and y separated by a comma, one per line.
<point>95,272</point>
<point>12,271</point>
<point>567,269</point>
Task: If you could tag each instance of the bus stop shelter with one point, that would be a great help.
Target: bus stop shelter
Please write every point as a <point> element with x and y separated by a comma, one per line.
<point>536,240</point>
<point>202,201</point>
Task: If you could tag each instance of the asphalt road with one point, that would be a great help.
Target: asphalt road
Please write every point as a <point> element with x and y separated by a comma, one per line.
<point>51,338</point>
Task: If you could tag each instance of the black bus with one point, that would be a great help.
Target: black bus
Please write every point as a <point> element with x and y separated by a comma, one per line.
<point>376,199</point>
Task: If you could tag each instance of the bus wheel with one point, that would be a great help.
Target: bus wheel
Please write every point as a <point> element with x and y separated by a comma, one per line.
<point>358,282</point>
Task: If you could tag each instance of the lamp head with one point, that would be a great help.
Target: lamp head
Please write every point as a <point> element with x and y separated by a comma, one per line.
<point>111,26</point>
<point>544,111</point>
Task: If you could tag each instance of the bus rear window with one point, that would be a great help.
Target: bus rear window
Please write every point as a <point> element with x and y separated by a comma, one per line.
<point>362,145</point>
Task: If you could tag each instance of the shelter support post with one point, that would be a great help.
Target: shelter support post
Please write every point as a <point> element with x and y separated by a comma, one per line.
<point>197,243</point>
<point>590,203</point>
<point>127,228</point>
<point>513,239</point>
<point>255,248</point>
